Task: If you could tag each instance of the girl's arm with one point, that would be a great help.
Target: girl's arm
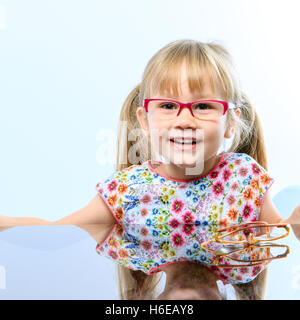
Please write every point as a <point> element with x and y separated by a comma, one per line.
<point>10,222</point>
<point>95,218</point>
<point>270,214</point>
<point>268,211</point>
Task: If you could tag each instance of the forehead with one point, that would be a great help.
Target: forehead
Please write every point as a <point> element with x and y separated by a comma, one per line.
<point>185,82</point>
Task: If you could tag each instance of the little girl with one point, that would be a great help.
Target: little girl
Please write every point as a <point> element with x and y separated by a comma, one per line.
<point>152,215</point>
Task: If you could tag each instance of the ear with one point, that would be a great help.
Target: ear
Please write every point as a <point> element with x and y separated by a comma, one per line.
<point>231,127</point>
<point>143,121</point>
<point>229,132</point>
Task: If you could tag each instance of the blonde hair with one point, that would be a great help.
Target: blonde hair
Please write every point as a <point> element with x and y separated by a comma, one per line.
<point>161,75</point>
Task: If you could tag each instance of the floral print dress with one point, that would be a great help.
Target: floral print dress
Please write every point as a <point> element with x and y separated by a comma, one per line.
<point>163,221</point>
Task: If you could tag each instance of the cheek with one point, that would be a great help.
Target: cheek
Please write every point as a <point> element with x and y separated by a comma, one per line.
<point>153,124</point>
<point>213,131</point>
<point>158,133</point>
<point>157,128</point>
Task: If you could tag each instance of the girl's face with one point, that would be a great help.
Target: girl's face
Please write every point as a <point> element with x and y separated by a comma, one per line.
<point>210,132</point>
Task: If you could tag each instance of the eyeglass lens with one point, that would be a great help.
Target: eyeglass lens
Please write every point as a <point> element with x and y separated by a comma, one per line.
<point>167,110</point>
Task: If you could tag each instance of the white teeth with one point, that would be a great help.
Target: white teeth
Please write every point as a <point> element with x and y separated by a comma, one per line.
<point>183,141</point>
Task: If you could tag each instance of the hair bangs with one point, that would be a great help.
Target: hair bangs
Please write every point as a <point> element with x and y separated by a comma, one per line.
<point>205,63</point>
<point>165,75</point>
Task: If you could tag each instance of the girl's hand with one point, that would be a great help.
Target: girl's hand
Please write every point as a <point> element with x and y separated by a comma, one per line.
<point>294,221</point>
<point>5,223</point>
<point>294,218</point>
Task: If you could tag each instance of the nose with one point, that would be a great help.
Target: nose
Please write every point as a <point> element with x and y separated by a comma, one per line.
<point>185,108</point>
<point>185,118</point>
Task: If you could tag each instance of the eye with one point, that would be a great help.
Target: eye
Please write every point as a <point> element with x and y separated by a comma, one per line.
<point>168,105</point>
<point>203,106</point>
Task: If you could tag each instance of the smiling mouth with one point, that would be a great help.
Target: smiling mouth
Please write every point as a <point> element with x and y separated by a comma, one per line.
<point>185,142</point>
<point>185,146</point>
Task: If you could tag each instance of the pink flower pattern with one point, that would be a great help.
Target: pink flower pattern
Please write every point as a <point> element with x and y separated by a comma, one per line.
<point>177,206</point>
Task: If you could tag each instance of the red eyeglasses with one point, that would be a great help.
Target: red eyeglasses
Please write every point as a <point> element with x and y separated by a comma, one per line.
<point>201,109</point>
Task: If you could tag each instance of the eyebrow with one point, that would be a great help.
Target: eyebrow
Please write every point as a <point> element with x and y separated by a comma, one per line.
<point>205,97</point>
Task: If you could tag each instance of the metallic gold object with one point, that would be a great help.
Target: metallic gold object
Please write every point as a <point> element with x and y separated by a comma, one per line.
<point>246,239</point>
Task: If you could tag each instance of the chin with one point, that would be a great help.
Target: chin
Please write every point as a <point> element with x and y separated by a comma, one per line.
<point>187,162</point>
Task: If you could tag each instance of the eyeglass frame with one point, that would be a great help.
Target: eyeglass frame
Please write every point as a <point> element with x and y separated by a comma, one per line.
<point>253,243</point>
<point>254,262</point>
<point>254,224</point>
<point>227,105</point>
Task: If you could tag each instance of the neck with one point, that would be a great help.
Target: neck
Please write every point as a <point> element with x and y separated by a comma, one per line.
<point>177,172</point>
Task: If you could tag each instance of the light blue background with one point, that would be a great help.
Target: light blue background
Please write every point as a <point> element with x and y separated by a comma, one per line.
<point>66,68</point>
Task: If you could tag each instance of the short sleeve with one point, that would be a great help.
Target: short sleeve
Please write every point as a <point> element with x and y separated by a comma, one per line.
<point>261,180</point>
<point>118,246</point>
<point>112,191</point>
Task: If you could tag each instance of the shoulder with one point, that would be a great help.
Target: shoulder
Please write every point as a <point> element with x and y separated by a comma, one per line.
<point>249,172</point>
<point>244,160</point>
<point>238,157</point>
<point>119,183</point>
<point>125,175</point>
<point>119,188</point>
